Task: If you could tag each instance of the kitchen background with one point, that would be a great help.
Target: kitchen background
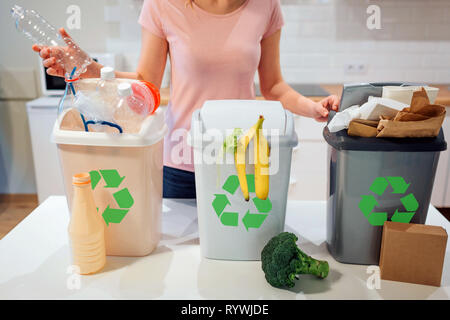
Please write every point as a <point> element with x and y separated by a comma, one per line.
<point>323,42</point>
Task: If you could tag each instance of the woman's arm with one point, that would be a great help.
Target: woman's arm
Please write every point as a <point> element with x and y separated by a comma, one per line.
<point>151,65</point>
<point>273,87</point>
<point>152,61</point>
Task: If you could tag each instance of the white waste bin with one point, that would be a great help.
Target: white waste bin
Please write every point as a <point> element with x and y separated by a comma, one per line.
<point>126,174</point>
<point>231,228</point>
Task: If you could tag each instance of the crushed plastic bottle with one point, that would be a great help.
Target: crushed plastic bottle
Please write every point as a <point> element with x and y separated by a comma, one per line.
<point>130,110</point>
<point>37,29</point>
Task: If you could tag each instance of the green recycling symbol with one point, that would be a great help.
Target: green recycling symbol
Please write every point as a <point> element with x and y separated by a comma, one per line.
<point>231,219</point>
<point>399,186</point>
<point>123,197</point>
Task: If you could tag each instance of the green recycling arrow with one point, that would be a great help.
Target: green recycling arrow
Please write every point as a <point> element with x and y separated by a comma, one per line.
<point>231,184</point>
<point>95,178</point>
<point>398,185</point>
<point>112,178</point>
<point>219,203</point>
<point>404,217</point>
<point>263,206</point>
<point>122,197</point>
<point>253,220</point>
<point>379,185</point>
<point>231,219</point>
<point>409,202</point>
<point>111,215</point>
<point>368,203</point>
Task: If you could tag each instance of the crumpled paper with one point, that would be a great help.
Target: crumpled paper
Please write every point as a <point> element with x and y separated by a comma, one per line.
<point>420,120</point>
<point>371,110</point>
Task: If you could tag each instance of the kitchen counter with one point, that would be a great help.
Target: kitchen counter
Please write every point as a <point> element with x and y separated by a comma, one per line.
<point>443,97</point>
<point>35,263</point>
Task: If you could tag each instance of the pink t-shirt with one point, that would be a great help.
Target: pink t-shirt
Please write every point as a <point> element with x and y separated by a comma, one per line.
<point>212,57</point>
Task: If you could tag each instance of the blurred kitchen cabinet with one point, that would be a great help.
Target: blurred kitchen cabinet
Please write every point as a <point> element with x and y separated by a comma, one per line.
<point>42,115</point>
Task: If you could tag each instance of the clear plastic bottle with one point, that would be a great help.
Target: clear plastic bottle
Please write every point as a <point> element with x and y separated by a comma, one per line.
<point>86,228</point>
<point>37,29</point>
<point>130,110</point>
<point>107,87</point>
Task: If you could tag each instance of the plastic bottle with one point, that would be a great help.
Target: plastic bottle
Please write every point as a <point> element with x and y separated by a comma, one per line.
<point>86,228</point>
<point>37,29</point>
<point>130,110</point>
<point>107,85</point>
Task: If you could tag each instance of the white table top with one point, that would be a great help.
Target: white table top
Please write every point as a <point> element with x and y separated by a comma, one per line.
<point>35,258</point>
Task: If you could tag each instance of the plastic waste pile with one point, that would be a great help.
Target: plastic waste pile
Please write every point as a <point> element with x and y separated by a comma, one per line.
<point>94,105</point>
<point>108,104</point>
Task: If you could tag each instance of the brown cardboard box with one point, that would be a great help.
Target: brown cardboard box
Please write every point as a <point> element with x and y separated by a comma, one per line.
<point>412,253</point>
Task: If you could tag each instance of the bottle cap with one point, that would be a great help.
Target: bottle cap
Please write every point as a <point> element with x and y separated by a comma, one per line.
<point>107,73</point>
<point>124,90</point>
<point>81,179</point>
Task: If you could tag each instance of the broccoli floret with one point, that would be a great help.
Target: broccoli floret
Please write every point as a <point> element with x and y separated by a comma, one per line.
<point>282,261</point>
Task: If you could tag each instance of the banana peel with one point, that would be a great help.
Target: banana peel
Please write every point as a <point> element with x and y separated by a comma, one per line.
<point>239,160</point>
<point>261,155</point>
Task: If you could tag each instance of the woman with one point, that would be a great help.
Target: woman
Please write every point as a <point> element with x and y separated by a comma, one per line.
<point>215,48</point>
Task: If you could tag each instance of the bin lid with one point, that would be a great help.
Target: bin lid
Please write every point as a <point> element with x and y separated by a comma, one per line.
<point>153,130</point>
<point>342,141</point>
<point>229,114</point>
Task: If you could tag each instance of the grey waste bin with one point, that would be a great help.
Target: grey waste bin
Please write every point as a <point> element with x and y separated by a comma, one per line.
<point>371,180</point>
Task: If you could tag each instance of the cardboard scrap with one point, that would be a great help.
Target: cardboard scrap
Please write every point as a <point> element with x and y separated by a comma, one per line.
<point>412,253</point>
<point>363,128</point>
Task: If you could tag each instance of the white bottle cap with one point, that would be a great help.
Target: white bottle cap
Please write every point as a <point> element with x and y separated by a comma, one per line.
<point>107,73</point>
<point>124,90</point>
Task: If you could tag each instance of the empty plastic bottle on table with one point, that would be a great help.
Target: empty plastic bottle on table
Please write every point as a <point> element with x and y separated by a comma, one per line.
<point>86,228</point>
<point>37,29</point>
<point>130,110</point>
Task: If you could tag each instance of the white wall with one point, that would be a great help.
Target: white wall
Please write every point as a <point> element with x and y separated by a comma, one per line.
<point>319,38</point>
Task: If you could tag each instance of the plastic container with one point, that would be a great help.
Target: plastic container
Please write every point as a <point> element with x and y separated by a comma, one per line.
<point>86,228</point>
<point>231,228</point>
<point>130,111</point>
<point>38,30</point>
<point>371,180</point>
<point>126,173</point>
<point>107,86</point>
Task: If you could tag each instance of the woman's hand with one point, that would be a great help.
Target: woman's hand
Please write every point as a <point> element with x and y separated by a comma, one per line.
<point>51,57</point>
<point>321,109</point>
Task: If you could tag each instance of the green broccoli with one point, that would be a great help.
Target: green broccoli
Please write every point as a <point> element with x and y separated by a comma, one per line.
<point>282,261</point>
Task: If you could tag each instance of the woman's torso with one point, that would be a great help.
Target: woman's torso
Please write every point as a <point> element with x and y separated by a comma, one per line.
<point>212,57</point>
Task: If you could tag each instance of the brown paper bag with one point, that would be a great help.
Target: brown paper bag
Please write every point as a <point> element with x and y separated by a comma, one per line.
<point>363,128</point>
<point>420,120</point>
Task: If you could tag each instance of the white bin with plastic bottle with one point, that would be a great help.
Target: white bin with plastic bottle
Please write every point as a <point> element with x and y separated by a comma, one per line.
<point>123,155</point>
<point>231,228</point>
<point>126,173</point>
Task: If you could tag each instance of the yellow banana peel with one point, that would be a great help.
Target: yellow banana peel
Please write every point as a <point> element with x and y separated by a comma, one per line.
<point>239,156</point>
<point>261,155</point>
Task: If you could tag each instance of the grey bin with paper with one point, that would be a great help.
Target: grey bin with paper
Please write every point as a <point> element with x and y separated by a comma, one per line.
<point>371,180</point>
